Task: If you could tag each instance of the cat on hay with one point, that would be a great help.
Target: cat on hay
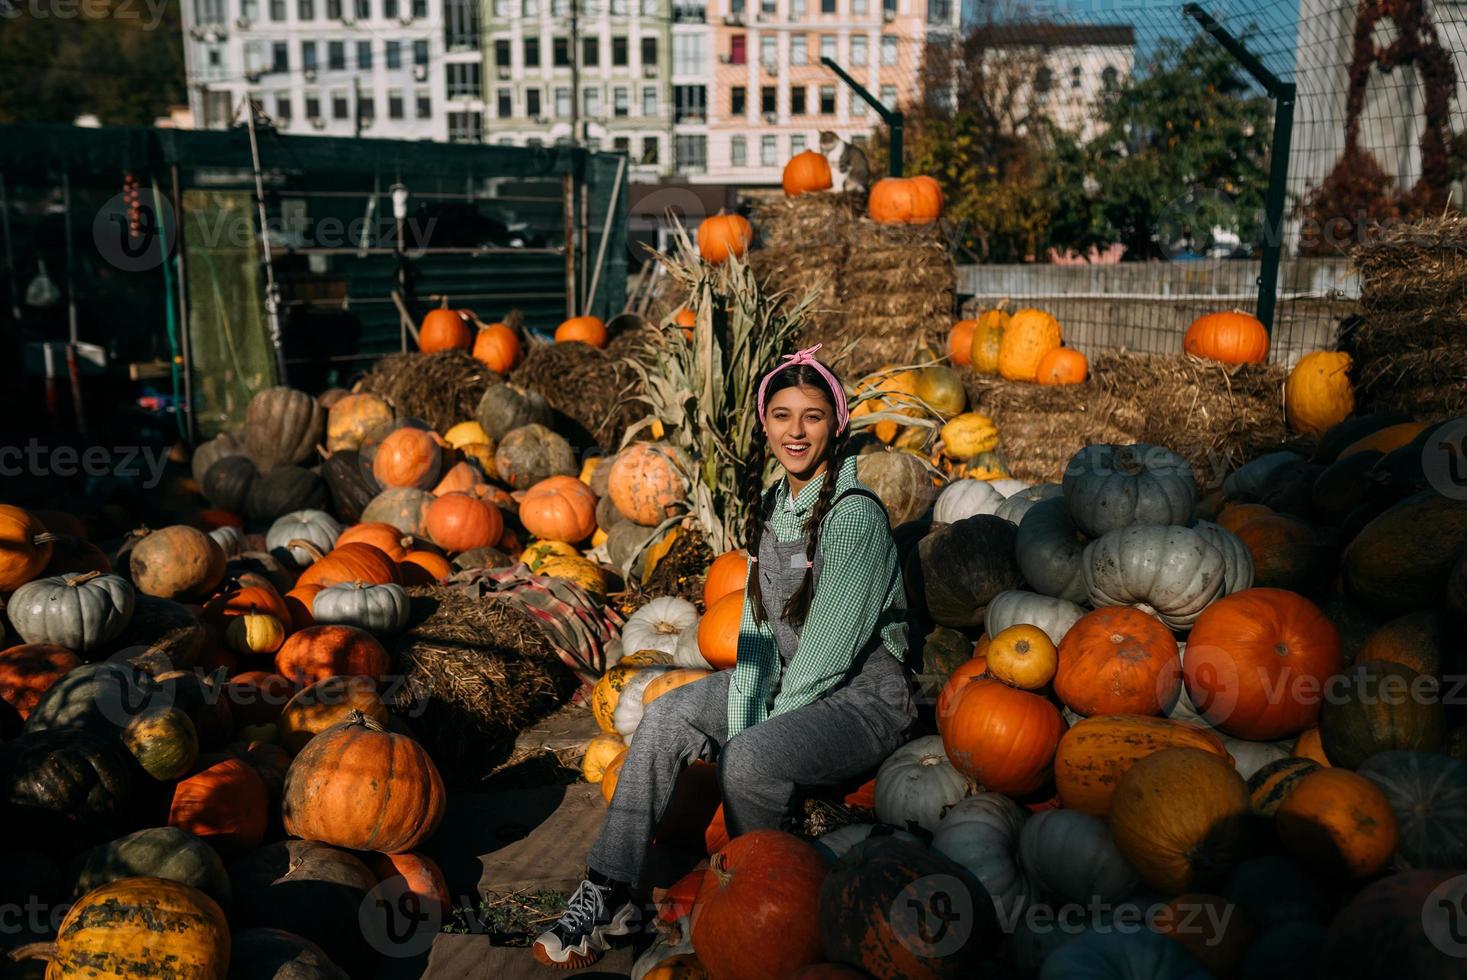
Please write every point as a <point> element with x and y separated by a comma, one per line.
<point>849,169</point>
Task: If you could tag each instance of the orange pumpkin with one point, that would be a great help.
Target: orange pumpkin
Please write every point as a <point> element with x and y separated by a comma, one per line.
<point>353,419</point>
<point>960,342</point>
<point>1257,662</point>
<point>559,508</point>
<point>415,874</point>
<point>670,679</point>
<point>379,534</point>
<point>243,600</point>
<point>728,573</point>
<point>1285,550</point>
<point>806,172</point>
<point>1062,366</point>
<point>25,547</point>
<point>408,457</point>
<point>325,703</point>
<point>722,236</point>
<point>28,671</point>
<point>225,805</point>
<point>459,522</point>
<point>1384,440</point>
<point>612,774</point>
<point>977,666</point>
<point>686,319</point>
<point>987,341</point>
<point>318,652</point>
<point>718,631</point>
<point>1001,737</point>
<point>905,201</point>
<point>645,483</point>
<point>1118,660</point>
<point>1210,927</point>
<point>256,697</point>
<point>1339,823</point>
<point>583,329</point>
<point>498,347</point>
<point>1234,516</point>
<point>443,330</point>
<point>425,567</point>
<point>299,601</point>
<point>1029,336</point>
<point>1022,655</point>
<point>462,477</point>
<point>1097,752</point>
<point>1310,747</point>
<point>1232,338</point>
<point>354,561</point>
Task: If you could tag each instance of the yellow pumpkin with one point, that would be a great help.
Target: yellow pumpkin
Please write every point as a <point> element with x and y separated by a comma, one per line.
<point>607,691</point>
<point>656,552</point>
<point>539,551</point>
<point>599,538</point>
<point>467,434</point>
<point>898,390</point>
<point>588,469</point>
<point>600,751</point>
<point>481,453</point>
<point>1023,656</point>
<point>142,927</point>
<point>1029,336</point>
<point>940,387</point>
<point>967,435</point>
<point>580,571</point>
<point>984,466</point>
<point>1318,393</point>
<point>254,633</point>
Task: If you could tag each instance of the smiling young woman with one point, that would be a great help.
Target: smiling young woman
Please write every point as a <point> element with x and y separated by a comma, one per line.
<point>820,691</point>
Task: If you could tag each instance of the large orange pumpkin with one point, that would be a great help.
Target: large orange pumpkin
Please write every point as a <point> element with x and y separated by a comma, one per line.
<point>905,201</point>
<point>328,702</point>
<point>1339,823</point>
<point>976,666</point>
<point>1182,818</point>
<point>357,785</point>
<point>1029,336</point>
<point>225,805</point>
<point>718,631</point>
<point>728,573</point>
<point>559,508</point>
<point>1002,737</point>
<point>459,522</point>
<point>299,601</point>
<point>462,477</point>
<point>318,652</point>
<point>645,483</point>
<point>443,330</point>
<point>1095,754</point>
<point>408,457</point>
<point>1232,338</point>
<point>498,347</point>
<point>25,547</point>
<point>806,172</point>
<point>583,329</point>
<point>28,671</point>
<point>1257,662</point>
<point>380,535</point>
<point>426,567</point>
<point>355,561</point>
<point>353,419</point>
<point>1118,660</point>
<point>758,911</point>
<point>1062,366</point>
<point>1234,516</point>
<point>722,236</point>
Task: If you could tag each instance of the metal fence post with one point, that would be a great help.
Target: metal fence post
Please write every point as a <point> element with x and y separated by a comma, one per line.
<point>892,117</point>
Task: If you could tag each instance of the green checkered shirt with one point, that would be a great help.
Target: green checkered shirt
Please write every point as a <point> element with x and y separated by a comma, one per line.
<point>859,593</point>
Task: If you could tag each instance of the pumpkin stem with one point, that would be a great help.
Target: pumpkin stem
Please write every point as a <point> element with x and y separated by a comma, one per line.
<point>355,717</point>
<point>305,546</point>
<point>82,579</point>
<point>34,951</point>
<point>45,537</point>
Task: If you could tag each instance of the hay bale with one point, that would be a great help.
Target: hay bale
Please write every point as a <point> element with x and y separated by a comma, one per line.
<point>441,389</point>
<point>475,672</point>
<point>806,219</point>
<point>584,385</point>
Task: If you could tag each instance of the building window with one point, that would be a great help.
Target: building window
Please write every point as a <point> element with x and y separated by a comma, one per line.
<point>364,55</point>
<point>1043,80</point>
<point>364,9</point>
<point>333,9</point>
<point>501,9</point>
<point>305,10</point>
<point>618,8</point>
<point>769,52</point>
<point>738,152</point>
<point>283,107</point>
<point>889,96</point>
<point>797,144</point>
<point>424,99</point>
<point>736,6</point>
<point>532,8</point>
<point>502,57</point>
<point>622,144</point>
<point>313,106</point>
<point>390,9</point>
<point>768,100</point>
<point>797,100</point>
<point>462,26</point>
<point>340,108</point>
<point>394,104</point>
<point>277,10</point>
<point>649,52</point>
<point>336,55</point>
<point>532,52</point>
<point>689,54</point>
<point>280,56</point>
<point>827,6</point>
<point>562,102</point>
<point>465,127</point>
<point>620,101</point>
<point>860,8</point>
<point>463,81</point>
<point>768,150</point>
<point>1109,77</point>
<point>367,107</point>
<point>939,11</point>
<point>209,12</point>
<point>858,106</point>
<point>1075,77</point>
<point>533,109</point>
<point>888,50</point>
<point>650,150</point>
<point>690,104</point>
<point>591,102</point>
<point>737,49</point>
<point>420,8</point>
<point>590,52</point>
<point>619,52</point>
<point>799,49</point>
<point>420,52</point>
<point>691,153</point>
<point>827,46</point>
<point>649,101</point>
<point>737,100</point>
<point>859,46</point>
<point>393,52</point>
<point>797,9</point>
<point>889,7</point>
<point>504,100</point>
<point>560,52</point>
<point>827,100</point>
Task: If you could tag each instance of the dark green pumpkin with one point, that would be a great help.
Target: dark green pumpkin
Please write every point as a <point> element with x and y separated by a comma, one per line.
<point>264,564</point>
<point>958,568</point>
<point>65,788</point>
<point>283,426</point>
<point>208,453</point>
<point>1272,784</point>
<point>1379,706</point>
<point>274,954</point>
<point>943,651</point>
<point>506,407</point>
<point>1428,791</point>
<point>1343,486</point>
<point>532,453</point>
<point>199,697</point>
<point>1344,434</point>
<point>1401,560</point>
<point>607,516</point>
<point>1289,489</point>
<point>169,629</point>
<point>227,483</point>
<point>350,485</point>
<point>157,852</point>
<point>907,536</point>
<point>1286,952</point>
<point>98,698</point>
<point>285,489</point>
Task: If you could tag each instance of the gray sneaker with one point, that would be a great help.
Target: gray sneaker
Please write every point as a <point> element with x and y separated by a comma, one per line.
<point>585,930</point>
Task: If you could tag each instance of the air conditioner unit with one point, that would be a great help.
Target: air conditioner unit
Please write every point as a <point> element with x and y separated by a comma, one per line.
<point>420,72</point>
<point>734,20</point>
<point>310,74</point>
<point>725,59</point>
<point>242,23</point>
<point>771,117</point>
<point>318,123</point>
<point>366,122</point>
<point>405,19</point>
<point>887,16</point>
<point>348,20</point>
<point>541,120</point>
<point>649,71</point>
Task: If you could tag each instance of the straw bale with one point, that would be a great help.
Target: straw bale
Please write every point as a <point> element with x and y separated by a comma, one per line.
<point>584,385</point>
<point>806,219</point>
<point>442,389</point>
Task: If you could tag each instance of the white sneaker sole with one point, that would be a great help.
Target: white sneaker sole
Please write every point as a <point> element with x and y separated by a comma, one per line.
<point>590,949</point>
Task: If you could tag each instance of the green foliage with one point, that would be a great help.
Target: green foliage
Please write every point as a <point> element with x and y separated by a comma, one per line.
<point>119,59</point>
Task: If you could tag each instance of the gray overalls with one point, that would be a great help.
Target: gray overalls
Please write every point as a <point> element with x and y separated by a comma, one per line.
<point>847,732</point>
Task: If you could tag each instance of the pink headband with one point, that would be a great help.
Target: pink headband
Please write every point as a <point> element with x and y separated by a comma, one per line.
<point>807,356</point>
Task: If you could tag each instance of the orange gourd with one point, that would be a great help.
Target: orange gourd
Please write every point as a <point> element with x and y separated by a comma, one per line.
<point>461,478</point>
<point>687,320</point>
<point>408,457</point>
<point>498,347</point>
<point>805,173</point>
<point>1023,656</point>
<point>354,561</point>
<point>728,573</point>
<point>318,652</point>
<point>25,547</point>
<point>1231,338</point>
<point>646,484</point>
<point>443,330</point>
<point>413,874</point>
<point>28,671</point>
<point>225,805</point>
<point>977,666</point>
<point>1062,366</point>
<point>327,702</point>
<point>718,631</point>
<point>379,534</point>
<point>1118,660</point>
<point>905,201</point>
<point>583,329</point>
<point>960,342</point>
<point>1339,823</point>
<point>723,236</point>
<point>669,680</point>
<point>425,567</point>
<point>1097,752</point>
<point>459,522</point>
<point>1029,335</point>
<point>559,508</point>
<point>1234,516</point>
<point>299,601</point>
<point>1001,737</point>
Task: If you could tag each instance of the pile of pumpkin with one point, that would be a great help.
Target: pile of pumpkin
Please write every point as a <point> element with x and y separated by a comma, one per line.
<point>1222,717</point>
<point>497,344</point>
<point>1023,346</point>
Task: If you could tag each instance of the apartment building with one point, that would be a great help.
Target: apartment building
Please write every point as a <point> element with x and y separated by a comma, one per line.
<point>401,69</point>
<point>622,51</point>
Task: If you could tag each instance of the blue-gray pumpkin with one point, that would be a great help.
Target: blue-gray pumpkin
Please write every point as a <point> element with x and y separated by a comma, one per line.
<point>79,612</point>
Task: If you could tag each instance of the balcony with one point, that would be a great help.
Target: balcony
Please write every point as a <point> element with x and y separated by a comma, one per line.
<point>689,13</point>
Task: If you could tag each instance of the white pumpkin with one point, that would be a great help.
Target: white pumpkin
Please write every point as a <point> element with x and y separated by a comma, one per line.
<point>1015,607</point>
<point>688,653</point>
<point>965,498</point>
<point>316,527</point>
<point>1249,757</point>
<point>836,843</point>
<point>1008,486</point>
<point>1070,856</point>
<point>659,624</point>
<point>916,784</point>
<point>229,539</point>
<point>378,609</point>
<point>982,834</point>
<point>1017,505</point>
<point>629,707</point>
